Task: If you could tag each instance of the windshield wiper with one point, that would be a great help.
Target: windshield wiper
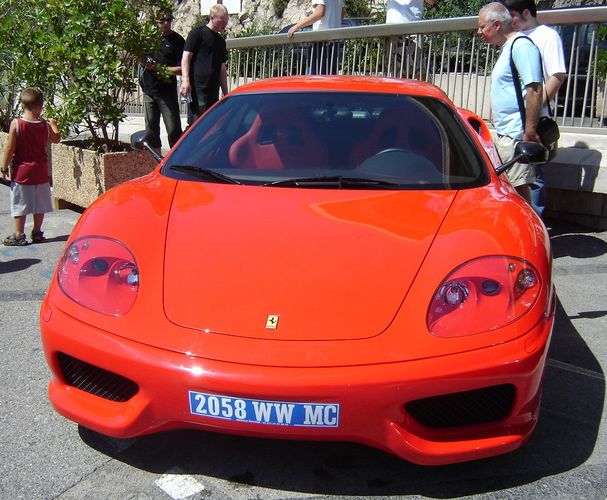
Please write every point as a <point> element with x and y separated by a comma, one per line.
<point>334,181</point>
<point>204,173</point>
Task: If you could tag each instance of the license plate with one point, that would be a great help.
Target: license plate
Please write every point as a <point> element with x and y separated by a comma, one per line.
<point>258,411</point>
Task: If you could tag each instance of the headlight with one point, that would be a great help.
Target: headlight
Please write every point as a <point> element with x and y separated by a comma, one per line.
<point>482,295</point>
<point>101,274</point>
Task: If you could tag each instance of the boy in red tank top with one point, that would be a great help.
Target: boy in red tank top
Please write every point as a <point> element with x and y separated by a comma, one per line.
<point>25,152</point>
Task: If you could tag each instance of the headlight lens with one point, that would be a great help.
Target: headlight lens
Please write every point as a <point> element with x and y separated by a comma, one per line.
<point>482,295</point>
<point>100,274</point>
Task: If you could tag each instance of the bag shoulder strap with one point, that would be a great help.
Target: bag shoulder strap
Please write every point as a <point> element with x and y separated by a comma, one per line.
<point>517,80</point>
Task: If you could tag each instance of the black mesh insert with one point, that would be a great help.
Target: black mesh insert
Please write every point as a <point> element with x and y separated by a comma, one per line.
<point>478,406</point>
<point>95,380</point>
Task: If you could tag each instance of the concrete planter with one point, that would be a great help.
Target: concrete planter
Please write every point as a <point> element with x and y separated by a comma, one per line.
<point>81,175</point>
<point>3,139</point>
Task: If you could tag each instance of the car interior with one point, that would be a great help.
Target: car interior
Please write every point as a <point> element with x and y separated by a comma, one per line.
<point>264,138</point>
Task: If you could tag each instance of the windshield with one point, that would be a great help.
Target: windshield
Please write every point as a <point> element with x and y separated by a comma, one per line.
<point>335,140</point>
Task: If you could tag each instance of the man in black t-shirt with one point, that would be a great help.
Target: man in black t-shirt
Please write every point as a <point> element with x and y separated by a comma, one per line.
<point>203,65</point>
<point>159,83</point>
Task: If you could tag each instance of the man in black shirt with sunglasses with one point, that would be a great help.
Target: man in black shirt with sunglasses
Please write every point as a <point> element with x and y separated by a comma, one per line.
<point>159,83</point>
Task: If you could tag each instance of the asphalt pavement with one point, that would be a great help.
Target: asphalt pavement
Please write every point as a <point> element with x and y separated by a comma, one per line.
<point>44,456</point>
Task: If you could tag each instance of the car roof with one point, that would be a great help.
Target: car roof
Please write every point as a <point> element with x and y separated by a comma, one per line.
<point>344,83</point>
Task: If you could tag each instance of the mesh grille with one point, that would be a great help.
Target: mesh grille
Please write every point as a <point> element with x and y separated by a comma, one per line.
<point>95,380</point>
<point>464,408</point>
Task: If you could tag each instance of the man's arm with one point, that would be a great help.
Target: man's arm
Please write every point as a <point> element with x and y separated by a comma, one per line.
<point>533,107</point>
<point>318,13</point>
<point>175,69</point>
<point>186,59</point>
<point>552,87</point>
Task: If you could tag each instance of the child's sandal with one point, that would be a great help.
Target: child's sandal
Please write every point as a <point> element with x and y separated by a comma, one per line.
<point>37,236</point>
<point>15,241</point>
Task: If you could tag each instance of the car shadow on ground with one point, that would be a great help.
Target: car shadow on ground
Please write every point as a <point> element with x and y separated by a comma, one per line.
<point>569,240</point>
<point>16,265</point>
<point>572,407</point>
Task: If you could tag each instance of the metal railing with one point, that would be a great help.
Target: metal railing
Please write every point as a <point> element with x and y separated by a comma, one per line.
<point>446,52</point>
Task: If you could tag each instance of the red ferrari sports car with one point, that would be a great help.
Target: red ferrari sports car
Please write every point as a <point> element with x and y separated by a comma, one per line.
<point>319,258</point>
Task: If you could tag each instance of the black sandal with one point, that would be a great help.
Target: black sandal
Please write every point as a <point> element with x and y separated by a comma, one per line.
<point>15,241</point>
<point>37,236</point>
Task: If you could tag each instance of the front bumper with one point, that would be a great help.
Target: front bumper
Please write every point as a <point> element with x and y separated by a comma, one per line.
<point>373,400</point>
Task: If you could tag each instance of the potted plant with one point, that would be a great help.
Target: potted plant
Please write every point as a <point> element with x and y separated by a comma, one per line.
<point>91,51</point>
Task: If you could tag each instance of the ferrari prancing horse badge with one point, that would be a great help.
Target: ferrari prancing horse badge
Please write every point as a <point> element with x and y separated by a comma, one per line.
<point>272,322</point>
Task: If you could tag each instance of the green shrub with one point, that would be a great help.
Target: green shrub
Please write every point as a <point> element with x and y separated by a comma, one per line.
<point>280,6</point>
<point>357,8</point>
<point>82,52</point>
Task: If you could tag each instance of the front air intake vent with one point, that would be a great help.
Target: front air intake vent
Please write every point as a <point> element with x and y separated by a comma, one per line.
<point>478,406</point>
<point>95,380</point>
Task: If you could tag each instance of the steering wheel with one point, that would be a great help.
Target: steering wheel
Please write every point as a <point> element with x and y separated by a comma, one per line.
<point>404,164</point>
<point>391,150</point>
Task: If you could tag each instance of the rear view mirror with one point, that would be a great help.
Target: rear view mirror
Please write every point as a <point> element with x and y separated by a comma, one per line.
<point>139,143</point>
<point>525,152</point>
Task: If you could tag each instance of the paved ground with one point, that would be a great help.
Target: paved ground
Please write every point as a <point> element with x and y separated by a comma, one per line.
<point>43,456</point>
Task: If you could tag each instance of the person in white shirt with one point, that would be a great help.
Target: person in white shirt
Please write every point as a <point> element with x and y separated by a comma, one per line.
<point>524,20</point>
<point>326,14</point>
<point>404,11</point>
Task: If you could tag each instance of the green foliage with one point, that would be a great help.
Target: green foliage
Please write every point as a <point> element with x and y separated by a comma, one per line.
<point>93,47</point>
<point>21,40</point>
<point>256,30</point>
<point>280,6</point>
<point>454,8</point>
<point>200,20</point>
<point>84,52</point>
<point>602,51</point>
<point>357,8</point>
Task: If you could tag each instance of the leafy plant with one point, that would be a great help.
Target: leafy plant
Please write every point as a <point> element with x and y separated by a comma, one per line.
<point>602,51</point>
<point>21,42</point>
<point>256,30</point>
<point>89,49</point>
<point>357,8</point>
<point>454,8</point>
<point>280,6</point>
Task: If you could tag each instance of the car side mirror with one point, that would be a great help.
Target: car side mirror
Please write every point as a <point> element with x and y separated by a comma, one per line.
<point>525,152</point>
<point>139,143</point>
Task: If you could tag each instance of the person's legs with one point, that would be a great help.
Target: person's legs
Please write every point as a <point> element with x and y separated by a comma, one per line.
<point>38,220</point>
<point>42,204</point>
<point>520,175</point>
<point>169,108</point>
<point>198,105</point>
<point>538,193</point>
<point>416,61</point>
<point>525,191</point>
<point>19,225</point>
<point>152,121</point>
<point>393,49</point>
<point>19,210</point>
<point>20,196</point>
<point>314,59</point>
<point>323,59</point>
<point>18,237</point>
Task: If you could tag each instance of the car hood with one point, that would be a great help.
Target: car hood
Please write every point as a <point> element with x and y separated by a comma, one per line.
<point>294,264</point>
